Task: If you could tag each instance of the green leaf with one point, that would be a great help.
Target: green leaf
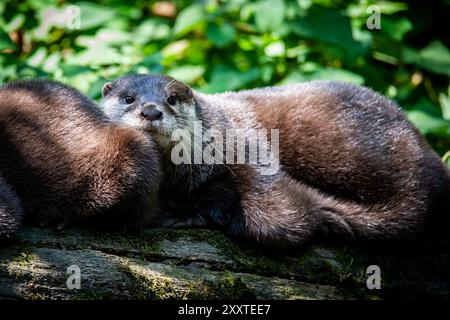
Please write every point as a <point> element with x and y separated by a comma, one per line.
<point>52,62</point>
<point>16,22</point>
<point>446,158</point>
<point>189,19</point>
<point>275,49</point>
<point>221,35</point>
<point>390,7</point>
<point>327,25</point>
<point>269,15</point>
<point>294,76</point>
<point>105,37</point>
<point>95,88</point>
<point>319,73</point>
<point>96,55</point>
<point>410,55</point>
<point>337,74</point>
<point>6,42</point>
<point>445,104</point>
<point>436,58</point>
<point>38,57</point>
<point>39,4</point>
<point>94,15</point>
<point>426,117</point>
<point>187,73</point>
<point>224,78</point>
<point>70,70</point>
<point>395,28</point>
<point>151,30</point>
<point>152,62</point>
<point>176,48</point>
<point>386,7</point>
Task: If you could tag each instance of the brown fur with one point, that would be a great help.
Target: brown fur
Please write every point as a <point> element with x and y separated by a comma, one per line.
<point>62,160</point>
<point>352,164</point>
<point>356,146</point>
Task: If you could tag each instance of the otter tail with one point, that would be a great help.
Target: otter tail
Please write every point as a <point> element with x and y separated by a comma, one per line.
<point>11,213</point>
<point>391,222</point>
<point>288,213</point>
<point>401,217</point>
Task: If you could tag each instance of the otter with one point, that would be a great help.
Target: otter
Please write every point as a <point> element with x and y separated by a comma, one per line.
<point>62,160</point>
<point>351,163</point>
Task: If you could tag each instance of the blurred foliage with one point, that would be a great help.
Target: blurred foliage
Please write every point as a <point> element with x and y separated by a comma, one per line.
<point>227,45</point>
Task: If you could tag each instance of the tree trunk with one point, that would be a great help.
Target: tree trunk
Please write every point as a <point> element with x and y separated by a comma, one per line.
<point>202,264</point>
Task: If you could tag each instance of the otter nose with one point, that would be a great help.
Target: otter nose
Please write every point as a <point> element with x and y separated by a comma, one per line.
<point>151,114</point>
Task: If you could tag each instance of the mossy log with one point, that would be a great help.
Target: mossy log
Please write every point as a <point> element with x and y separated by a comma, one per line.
<point>202,264</point>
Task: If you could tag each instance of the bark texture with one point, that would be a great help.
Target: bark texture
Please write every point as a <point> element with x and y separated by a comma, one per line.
<point>202,264</point>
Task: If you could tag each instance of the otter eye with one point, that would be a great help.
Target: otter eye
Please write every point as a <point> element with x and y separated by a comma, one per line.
<point>128,99</point>
<point>172,100</point>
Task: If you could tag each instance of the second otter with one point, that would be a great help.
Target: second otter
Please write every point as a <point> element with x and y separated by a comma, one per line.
<point>61,159</point>
<point>360,168</point>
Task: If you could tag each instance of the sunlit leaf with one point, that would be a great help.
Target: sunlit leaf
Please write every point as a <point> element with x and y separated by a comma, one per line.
<point>427,119</point>
<point>436,58</point>
<point>189,19</point>
<point>16,22</point>
<point>187,73</point>
<point>224,78</point>
<point>151,30</point>
<point>337,74</point>
<point>390,7</point>
<point>105,37</point>
<point>318,73</point>
<point>94,15</point>
<point>445,105</point>
<point>96,55</point>
<point>269,15</point>
<point>275,49</point>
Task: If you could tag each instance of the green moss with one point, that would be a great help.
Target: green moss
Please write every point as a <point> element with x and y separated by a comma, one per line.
<point>145,288</point>
<point>304,265</point>
<point>24,256</point>
<point>177,286</point>
<point>248,258</point>
<point>226,287</point>
<point>35,296</point>
<point>21,257</point>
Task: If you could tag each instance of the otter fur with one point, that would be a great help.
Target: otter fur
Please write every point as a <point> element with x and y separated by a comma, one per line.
<point>351,163</point>
<point>61,160</point>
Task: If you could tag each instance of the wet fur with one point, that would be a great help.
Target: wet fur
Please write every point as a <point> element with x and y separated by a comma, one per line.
<point>62,160</point>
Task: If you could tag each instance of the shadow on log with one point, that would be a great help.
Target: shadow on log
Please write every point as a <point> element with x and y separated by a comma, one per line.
<point>202,264</point>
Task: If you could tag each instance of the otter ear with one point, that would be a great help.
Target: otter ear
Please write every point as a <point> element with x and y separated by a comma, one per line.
<point>188,91</point>
<point>107,87</point>
<point>183,90</point>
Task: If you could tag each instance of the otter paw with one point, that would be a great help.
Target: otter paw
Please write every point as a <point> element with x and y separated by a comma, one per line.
<point>44,224</point>
<point>60,226</point>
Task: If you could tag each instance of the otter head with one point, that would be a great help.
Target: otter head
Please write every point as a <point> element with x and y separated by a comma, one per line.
<point>154,103</point>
